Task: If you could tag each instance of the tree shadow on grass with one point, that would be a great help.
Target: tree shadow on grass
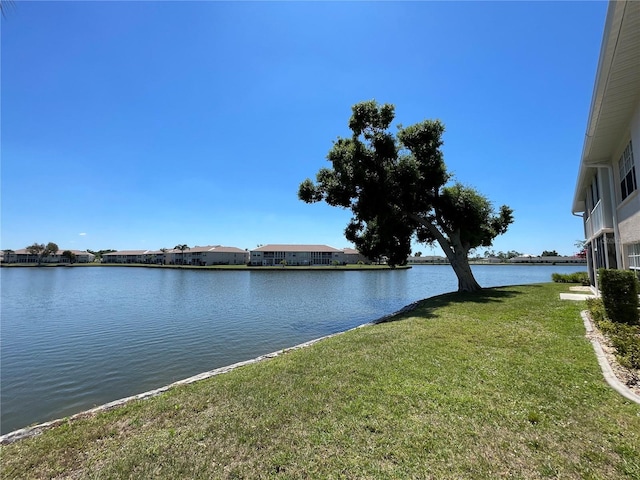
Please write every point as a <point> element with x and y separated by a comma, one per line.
<point>426,308</point>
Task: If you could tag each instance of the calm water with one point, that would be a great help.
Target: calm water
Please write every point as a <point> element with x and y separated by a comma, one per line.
<point>74,338</point>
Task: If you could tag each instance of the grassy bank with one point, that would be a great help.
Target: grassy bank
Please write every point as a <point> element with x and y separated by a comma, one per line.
<point>500,384</point>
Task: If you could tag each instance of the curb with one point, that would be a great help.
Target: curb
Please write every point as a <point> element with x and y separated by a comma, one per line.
<point>607,372</point>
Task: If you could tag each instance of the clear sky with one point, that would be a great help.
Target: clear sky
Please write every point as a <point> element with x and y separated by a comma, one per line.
<point>142,125</point>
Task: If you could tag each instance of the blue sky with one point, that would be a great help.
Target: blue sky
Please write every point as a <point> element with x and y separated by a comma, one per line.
<point>142,125</point>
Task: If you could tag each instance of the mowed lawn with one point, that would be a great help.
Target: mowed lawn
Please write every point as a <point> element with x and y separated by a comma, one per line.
<point>499,384</point>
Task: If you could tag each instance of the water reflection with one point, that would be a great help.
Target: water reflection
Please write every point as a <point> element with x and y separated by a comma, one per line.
<point>73,338</point>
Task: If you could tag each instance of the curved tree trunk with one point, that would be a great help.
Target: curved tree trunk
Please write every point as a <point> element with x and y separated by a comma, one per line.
<point>466,280</point>
<point>457,255</point>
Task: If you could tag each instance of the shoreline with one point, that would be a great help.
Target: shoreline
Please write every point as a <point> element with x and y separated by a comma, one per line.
<point>297,268</point>
<point>37,429</point>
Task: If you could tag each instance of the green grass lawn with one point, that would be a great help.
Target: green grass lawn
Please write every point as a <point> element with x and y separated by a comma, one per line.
<point>499,384</point>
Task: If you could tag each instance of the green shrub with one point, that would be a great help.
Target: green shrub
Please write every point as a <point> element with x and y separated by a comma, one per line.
<point>624,338</point>
<point>626,341</point>
<point>596,308</point>
<point>619,290</point>
<point>576,277</point>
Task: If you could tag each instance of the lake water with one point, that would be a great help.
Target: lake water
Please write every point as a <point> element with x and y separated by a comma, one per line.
<point>74,338</point>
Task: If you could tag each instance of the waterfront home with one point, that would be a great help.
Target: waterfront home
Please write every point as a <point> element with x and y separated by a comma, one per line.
<point>133,256</point>
<point>304,255</point>
<point>208,255</point>
<point>352,256</point>
<point>436,259</point>
<point>200,256</point>
<point>606,192</point>
<point>552,260</point>
<point>23,256</point>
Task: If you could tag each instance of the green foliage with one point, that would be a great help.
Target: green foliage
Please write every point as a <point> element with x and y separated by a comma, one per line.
<point>549,253</point>
<point>42,251</point>
<point>99,253</point>
<point>396,188</point>
<point>626,341</point>
<point>575,277</point>
<point>596,308</point>
<point>68,254</point>
<point>620,295</point>
<point>624,338</point>
<point>35,248</point>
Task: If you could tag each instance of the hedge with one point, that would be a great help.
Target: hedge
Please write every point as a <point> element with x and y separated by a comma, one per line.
<point>619,289</point>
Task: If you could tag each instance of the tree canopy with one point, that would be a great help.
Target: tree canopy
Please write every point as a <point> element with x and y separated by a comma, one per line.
<point>69,255</point>
<point>398,189</point>
<point>41,250</point>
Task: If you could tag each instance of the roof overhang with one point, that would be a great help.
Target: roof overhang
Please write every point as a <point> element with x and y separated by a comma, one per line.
<point>616,92</point>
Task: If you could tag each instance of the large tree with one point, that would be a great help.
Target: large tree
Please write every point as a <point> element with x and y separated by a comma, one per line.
<point>398,189</point>
<point>69,255</point>
<point>41,250</point>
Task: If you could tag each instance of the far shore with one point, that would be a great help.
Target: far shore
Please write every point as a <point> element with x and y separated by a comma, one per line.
<point>214,267</point>
<point>349,267</point>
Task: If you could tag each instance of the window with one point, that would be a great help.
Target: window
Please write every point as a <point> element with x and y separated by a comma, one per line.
<point>627,170</point>
<point>595,194</point>
<point>634,256</point>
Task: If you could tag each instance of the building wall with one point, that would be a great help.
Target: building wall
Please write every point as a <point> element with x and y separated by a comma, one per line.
<point>224,258</point>
<point>300,258</point>
<point>629,209</point>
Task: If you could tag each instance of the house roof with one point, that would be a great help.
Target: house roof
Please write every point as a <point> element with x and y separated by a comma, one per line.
<point>129,252</point>
<point>616,93</point>
<point>215,249</point>
<point>24,251</point>
<point>208,248</point>
<point>296,248</point>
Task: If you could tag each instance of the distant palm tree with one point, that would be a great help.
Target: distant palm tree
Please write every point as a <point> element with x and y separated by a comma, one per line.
<point>164,255</point>
<point>182,248</point>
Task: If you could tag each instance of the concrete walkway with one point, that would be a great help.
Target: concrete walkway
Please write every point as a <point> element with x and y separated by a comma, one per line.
<point>584,293</point>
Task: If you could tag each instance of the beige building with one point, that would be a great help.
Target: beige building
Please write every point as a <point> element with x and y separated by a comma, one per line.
<point>304,255</point>
<point>23,256</point>
<point>606,192</point>
<point>133,256</point>
<point>208,255</point>
<point>200,256</point>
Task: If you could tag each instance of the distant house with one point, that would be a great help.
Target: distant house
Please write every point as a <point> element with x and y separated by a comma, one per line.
<point>209,255</point>
<point>551,260</point>
<point>23,256</point>
<point>427,259</point>
<point>351,256</point>
<point>132,256</point>
<point>606,192</point>
<point>304,255</point>
<point>200,256</point>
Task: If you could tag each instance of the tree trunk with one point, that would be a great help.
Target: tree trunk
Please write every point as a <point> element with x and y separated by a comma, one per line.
<point>457,256</point>
<point>466,280</point>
